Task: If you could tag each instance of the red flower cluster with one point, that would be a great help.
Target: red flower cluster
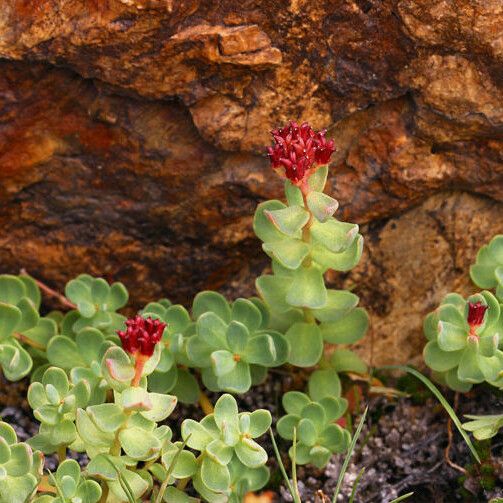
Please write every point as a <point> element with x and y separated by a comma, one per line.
<point>298,148</point>
<point>476,313</point>
<point>141,335</point>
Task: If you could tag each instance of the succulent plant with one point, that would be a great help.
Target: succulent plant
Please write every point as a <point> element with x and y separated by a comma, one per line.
<point>55,402</point>
<point>96,304</point>
<point>463,340</point>
<point>20,325</point>
<point>304,240</point>
<point>318,436</point>
<point>222,437</point>
<point>484,427</point>
<point>232,344</point>
<point>82,357</point>
<point>119,474</point>
<point>171,374</point>
<point>72,486</point>
<point>303,248</point>
<point>487,272</point>
<point>20,467</point>
<point>100,382</point>
<point>242,481</point>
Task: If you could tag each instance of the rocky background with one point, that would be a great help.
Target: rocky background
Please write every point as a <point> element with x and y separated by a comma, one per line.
<point>132,141</point>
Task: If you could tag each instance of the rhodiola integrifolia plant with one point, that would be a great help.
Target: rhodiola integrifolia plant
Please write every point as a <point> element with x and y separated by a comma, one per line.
<point>105,386</point>
<point>465,336</point>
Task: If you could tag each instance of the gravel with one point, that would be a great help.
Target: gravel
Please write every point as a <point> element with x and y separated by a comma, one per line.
<point>401,448</point>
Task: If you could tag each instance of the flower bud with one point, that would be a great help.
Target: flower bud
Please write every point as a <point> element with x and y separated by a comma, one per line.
<point>141,335</point>
<point>476,313</point>
<point>299,149</point>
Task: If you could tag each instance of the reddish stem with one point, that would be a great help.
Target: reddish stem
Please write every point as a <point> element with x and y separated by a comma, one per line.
<point>50,292</point>
<point>140,364</point>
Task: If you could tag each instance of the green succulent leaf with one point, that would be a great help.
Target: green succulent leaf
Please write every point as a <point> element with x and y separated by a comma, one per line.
<point>196,435</point>
<point>343,261</point>
<point>334,235</point>
<point>348,329</point>
<point>250,453</point>
<point>108,417</point>
<point>293,194</point>
<point>10,318</point>
<point>274,289</point>
<point>307,289</point>
<point>222,362</point>
<point>344,360</point>
<point>63,352</point>
<point>306,344</point>
<point>12,289</point>
<point>440,360</point>
<point>295,401</point>
<point>324,383</point>
<point>321,205</point>
<point>264,229</point>
<point>15,362</point>
<point>211,302</point>
<point>215,476</point>
<point>289,220</point>
<point>237,336</point>
<point>237,380</point>
<point>306,432</point>
<point>318,179</point>
<point>289,252</point>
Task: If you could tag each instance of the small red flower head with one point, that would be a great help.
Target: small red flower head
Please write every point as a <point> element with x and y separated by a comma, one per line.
<point>297,149</point>
<point>141,335</point>
<point>476,313</point>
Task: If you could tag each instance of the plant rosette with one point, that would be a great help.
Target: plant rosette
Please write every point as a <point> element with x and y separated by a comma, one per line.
<point>229,457</point>
<point>55,401</point>
<point>313,423</point>
<point>463,340</point>
<point>20,467</point>
<point>71,485</point>
<point>22,330</point>
<point>232,344</point>
<point>82,357</point>
<point>96,304</point>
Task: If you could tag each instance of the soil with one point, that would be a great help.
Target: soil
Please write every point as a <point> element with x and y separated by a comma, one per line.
<point>401,448</point>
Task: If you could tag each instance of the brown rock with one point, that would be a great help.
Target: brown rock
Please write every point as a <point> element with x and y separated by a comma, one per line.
<point>465,26</point>
<point>412,261</point>
<point>453,91</point>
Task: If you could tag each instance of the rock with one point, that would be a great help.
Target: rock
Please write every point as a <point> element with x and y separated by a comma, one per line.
<point>411,262</point>
<point>132,139</point>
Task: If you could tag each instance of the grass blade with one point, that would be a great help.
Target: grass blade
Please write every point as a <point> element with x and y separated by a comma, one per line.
<point>348,455</point>
<point>52,478</point>
<point>355,485</point>
<point>294,464</point>
<point>441,399</point>
<point>123,482</point>
<point>171,467</point>
<point>401,498</point>
<point>296,499</point>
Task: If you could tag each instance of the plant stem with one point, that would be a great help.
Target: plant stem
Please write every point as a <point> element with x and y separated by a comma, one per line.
<point>205,404</point>
<point>25,340</point>
<point>61,453</point>
<point>182,483</point>
<point>115,450</point>
<point>140,361</point>
<point>104,492</point>
<point>50,292</point>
